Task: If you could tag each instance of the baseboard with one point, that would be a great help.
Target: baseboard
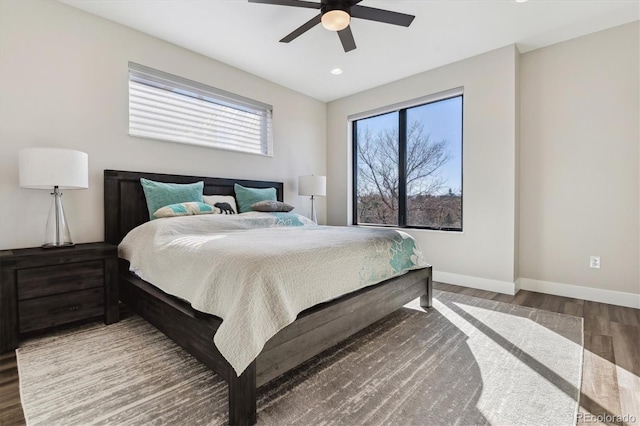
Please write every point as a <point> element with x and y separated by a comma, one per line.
<point>487,284</point>
<point>518,285</point>
<point>611,297</point>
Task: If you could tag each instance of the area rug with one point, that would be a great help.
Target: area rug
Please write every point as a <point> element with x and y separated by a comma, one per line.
<point>466,361</point>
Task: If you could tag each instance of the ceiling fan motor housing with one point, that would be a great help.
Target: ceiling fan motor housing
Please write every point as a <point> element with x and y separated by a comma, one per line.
<point>329,5</point>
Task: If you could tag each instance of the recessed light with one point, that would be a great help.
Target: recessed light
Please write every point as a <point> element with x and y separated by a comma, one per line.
<point>336,71</point>
<point>521,1</point>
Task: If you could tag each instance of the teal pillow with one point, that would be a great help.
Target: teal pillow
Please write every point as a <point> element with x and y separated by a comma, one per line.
<point>159,194</point>
<point>248,196</point>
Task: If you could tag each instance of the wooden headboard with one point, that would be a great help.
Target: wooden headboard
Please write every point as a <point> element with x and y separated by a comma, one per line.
<point>125,206</point>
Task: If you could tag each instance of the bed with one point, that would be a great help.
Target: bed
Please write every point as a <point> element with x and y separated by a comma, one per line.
<point>313,331</point>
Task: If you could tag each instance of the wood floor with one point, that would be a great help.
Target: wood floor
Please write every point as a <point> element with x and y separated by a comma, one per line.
<point>611,373</point>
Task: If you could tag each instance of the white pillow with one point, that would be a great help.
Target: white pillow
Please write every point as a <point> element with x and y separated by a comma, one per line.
<point>212,200</point>
<point>185,209</point>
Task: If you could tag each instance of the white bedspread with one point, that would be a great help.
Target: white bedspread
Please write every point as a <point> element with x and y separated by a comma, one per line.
<point>258,271</point>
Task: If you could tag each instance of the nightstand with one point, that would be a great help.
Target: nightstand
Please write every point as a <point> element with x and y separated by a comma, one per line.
<point>42,288</point>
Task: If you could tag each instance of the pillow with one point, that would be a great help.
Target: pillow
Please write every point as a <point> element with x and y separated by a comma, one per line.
<point>184,209</point>
<point>271,206</point>
<point>248,196</point>
<point>159,194</point>
<point>219,201</point>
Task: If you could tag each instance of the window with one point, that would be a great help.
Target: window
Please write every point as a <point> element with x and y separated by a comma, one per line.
<point>407,164</point>
<point>166,107</point>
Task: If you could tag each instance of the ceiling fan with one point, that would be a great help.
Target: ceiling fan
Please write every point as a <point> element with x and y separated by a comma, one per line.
<point>335,15</point>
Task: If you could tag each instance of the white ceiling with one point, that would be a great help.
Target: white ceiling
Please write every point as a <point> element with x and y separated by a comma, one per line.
<point>245,35</point>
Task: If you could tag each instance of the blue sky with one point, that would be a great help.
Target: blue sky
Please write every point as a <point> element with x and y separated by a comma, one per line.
<point>442,120</point>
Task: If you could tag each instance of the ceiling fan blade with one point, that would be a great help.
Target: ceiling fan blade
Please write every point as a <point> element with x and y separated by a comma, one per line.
<point>346,37</point>
<point>302,29</point>
<point>294,3</point>
<point>379,15</point>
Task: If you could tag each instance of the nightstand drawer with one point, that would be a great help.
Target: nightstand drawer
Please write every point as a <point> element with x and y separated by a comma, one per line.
<point>50,280</point>
<point>44,312</point>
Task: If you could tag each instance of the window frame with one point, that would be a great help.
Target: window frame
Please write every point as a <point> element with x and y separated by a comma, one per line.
<point>190,89</point>
<point>401,109</point>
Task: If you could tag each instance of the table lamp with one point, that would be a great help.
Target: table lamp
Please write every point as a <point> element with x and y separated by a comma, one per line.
<point>57,168</point>
<point>312,185</point>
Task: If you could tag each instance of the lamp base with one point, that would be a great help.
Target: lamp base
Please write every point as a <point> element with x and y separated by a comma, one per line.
<point>53,245</point>
<point>314,215</point>
<point>57,233</point>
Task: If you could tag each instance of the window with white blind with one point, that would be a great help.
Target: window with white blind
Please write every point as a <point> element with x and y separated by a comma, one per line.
<point>171,108</point>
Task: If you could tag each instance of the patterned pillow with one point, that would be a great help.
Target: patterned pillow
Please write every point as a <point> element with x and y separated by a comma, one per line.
<point>249,196</point>
<point>219,202</point>
<point>184,209</point>
<point>271,206</point>
<point>160,194</point>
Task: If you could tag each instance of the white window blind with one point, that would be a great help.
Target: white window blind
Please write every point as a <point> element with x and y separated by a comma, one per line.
<point>171,108</point>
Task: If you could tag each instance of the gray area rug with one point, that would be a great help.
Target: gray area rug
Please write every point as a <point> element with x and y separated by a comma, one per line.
<point>466,361</point>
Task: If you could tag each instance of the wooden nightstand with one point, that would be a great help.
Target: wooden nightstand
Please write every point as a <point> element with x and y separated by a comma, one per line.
<point>42,288</point>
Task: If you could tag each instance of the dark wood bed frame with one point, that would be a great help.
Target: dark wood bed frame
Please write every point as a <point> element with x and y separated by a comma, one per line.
<point>315,329</point>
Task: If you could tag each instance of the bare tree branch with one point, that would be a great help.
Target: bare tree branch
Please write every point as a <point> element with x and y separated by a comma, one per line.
<point>378,177</point>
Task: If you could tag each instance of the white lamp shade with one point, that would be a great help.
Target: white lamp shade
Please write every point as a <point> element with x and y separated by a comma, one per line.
<point>312,185</point>
<point>44,168</point>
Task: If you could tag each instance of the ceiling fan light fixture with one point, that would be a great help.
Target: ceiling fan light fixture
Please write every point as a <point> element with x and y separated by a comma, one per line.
<point>335,15</point>
<point>336,20</point>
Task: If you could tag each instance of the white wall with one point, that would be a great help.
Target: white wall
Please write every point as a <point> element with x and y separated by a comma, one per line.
<point>63,83</point>
<point>550,165</point>
<point>484,254</point>
<point>580,122</point>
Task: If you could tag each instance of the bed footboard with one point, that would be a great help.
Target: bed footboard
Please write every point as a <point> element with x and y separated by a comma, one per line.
<point>328,324</point>
<point>314,331</point>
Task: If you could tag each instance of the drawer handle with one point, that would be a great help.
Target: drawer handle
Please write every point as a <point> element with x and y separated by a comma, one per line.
<point>65,309</point>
